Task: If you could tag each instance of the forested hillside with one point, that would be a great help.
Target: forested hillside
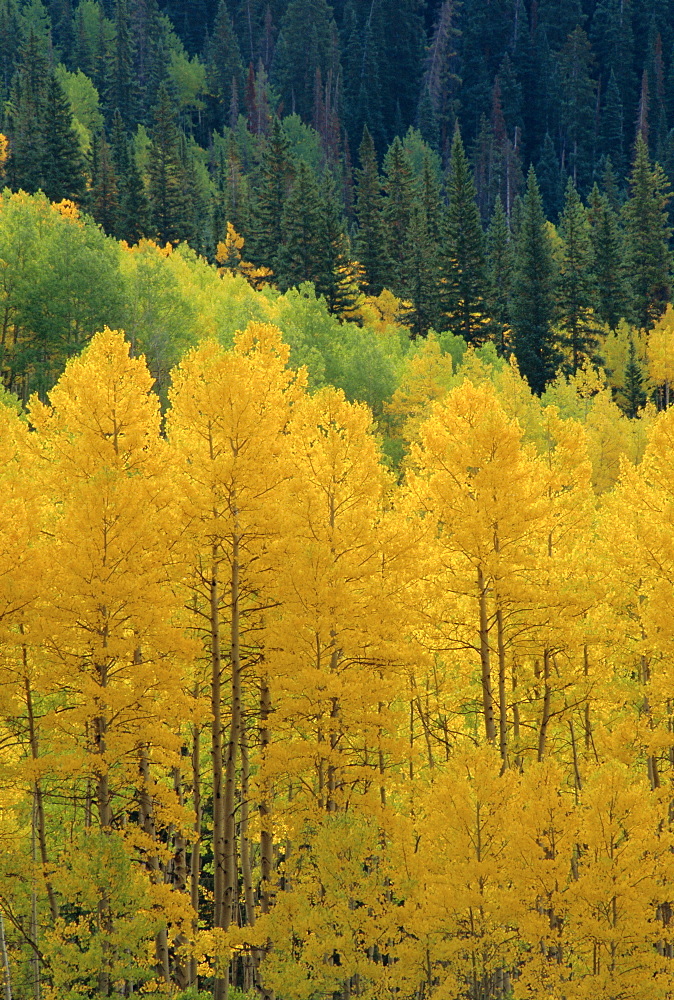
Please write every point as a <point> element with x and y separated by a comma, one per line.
<point>425,149</point>
<point>337,519</point>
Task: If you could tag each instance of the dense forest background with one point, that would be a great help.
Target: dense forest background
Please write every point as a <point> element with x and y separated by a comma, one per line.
<point>420,148</point>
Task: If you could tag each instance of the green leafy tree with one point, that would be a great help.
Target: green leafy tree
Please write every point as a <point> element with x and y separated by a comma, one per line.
<point>533,303</point>
<point>462,253</point>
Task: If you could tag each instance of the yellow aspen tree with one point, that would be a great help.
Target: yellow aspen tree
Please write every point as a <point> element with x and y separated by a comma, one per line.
<point>660,354</point>
<point>226,427</point>
<point>108,632</point>
<point>484,491</point>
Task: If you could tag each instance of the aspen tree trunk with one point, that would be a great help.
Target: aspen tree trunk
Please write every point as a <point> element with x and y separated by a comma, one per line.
<point>195,857</point>
<point>39,824</point>
<point>216,748</point>
<point>587,727</point>
<point>100,728</point>
<point>146,819</point>
<point>265,805</point>
<point>246,867</point>
<point>231,867</point>
<point>180,869</point>
<point>545,717</point>
<point>502,695</point>
<point>516,714</point>
<point>485,659</point>
<point>35,957</point>
<point>5,961</point>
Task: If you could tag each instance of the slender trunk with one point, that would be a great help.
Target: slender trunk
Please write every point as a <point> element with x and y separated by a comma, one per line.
<point>35,956</point>
<point>545,717</point>
<point>485,659</point>
<point>264,808</point>
<point>195,857</point>
<point>180,881</point>
<point>220,984</point>
<point>230,859</point>
<point>246,867</point>
<point>100,728</point>
<point>39,823</point>
<point>502,695</point>
<point>516,714</point>
<point>5,961</point>
<point>146,821</point>
<point>586,721</point>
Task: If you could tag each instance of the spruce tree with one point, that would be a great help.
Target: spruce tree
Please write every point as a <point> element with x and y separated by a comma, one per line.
<point>105,193</point>
<point>63,168</point>
<point>533,304</point>
<point>648,256</point>
<point>499,277</point>
<point>271,191</point>
<point>612,125</point>
<point>576,285</point>
<point>633,395</point>
<point>120,91</point>
<point>609,259</point>
<point>298,257</point>
<point>371,244</point>
<point>578,100</point>
<point>337,277</point>
<point>307,41</point>
<point>549,175</point>
<point>397,208</point>
<point>224,69</point>
<point>462,253</point>
<point>420,274</point>
<point>134,220</point>
<point>170,206</point>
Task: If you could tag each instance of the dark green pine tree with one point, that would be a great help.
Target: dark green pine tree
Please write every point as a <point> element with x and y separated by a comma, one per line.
<point>63,173</point>
<point>271,192</point>
<point>612,40</point>
<point>371,243</point>
<point>398,189</point>
<point>224,69</point>
<point>105,206</point>
<point>134,219</point>
<point>462,253</point>
<point>26,117</point>
<point>632,394</point>
<point>578,100</point>
<point>533,302</point>
<point>499,277</point>
<point>362,89</point>
<point>120,91</point>
<point>421,274</point>
<point>298,258</point>
<point>647,231</point>
<point>337,277</point>
<point>308,40</point>
<point>612,125</point>
<point>576,285</point>
<point>399,28</point>
<point>609,259</point>
<point>170,203</point>
<point>549,174</point>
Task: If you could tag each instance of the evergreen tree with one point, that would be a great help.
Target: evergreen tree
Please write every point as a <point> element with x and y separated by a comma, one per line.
<point>420,273</point>
<point>577,106</point>
<point>63,171</point>
<point>337,277</point>
<point>134,221</point>
<point>632,393</point>
<point>612,131</point>
<point>613,43</point>
<point>400,32</point>
<point>105,194</point>
<point>609,263</point>
<point>576,286</point>
<point>308,41</point>
<point>224,70</point>
<point>371,243</point>
<point>648,256</point>
<point>298,257</point>
<point>549,174</point>
<point>362,88</point>
<point>170,206</point>
<point>499,276</point>
<point>397,207</point>
<point>533,304</point>
<point>462,254</point>
<point>271,191</point>
<point>120,91</point>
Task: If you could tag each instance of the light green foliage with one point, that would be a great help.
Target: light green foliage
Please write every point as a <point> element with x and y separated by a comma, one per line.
<point>188,77</point>
<point>83,98</point>
<point>304,142</point>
